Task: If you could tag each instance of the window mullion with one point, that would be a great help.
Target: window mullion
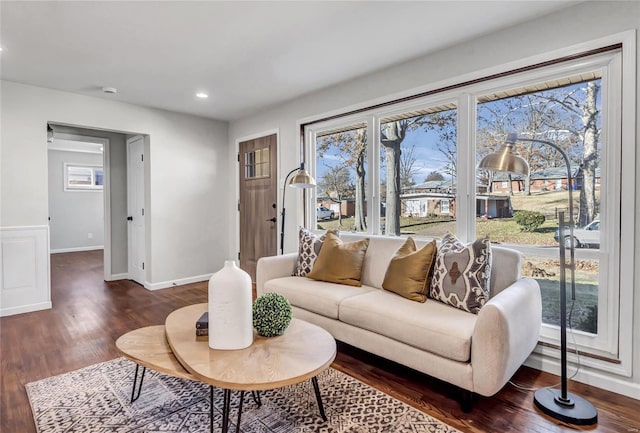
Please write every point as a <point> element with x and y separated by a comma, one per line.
<point>373,178</point>
<point>465,191</point>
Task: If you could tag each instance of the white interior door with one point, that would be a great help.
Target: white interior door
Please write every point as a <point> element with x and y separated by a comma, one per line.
<point>135,194</point>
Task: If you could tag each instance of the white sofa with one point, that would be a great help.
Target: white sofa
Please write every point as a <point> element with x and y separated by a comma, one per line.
<point>476,352</point>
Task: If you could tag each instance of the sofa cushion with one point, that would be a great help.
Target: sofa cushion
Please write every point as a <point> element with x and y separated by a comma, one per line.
<point>431,326</point>
<point>462,273</point>
<point>309,245</point>
<point>379,253</point>
<point>340,262</point>
<point>510,264</point>
<point>315,296</point>
<point>408,274</point>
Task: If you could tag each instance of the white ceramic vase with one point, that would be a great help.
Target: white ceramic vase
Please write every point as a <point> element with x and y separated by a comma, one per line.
<point>230,314</point>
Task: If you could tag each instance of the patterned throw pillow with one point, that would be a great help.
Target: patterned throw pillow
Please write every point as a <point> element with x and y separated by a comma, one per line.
<point>462,273</point>
<point>309,245</point>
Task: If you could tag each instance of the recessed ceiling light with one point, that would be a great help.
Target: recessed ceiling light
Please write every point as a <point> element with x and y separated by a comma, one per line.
<point>202,95</point>
<point>110,90</point>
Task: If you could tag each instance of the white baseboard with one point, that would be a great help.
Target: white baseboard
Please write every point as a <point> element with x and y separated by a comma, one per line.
<point>178,282</point>
<point>77,249</point>
<point>116,277</point>
<point>586,375</point>
<point>25,309</point>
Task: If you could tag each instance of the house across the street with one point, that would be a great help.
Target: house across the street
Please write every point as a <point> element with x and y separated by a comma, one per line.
<point>548,179</point>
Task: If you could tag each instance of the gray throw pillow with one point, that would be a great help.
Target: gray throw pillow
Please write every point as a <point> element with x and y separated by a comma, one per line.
<point>309,245</point>
<point>462,273</point>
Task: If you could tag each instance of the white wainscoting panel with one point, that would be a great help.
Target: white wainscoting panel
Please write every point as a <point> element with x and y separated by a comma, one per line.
<point>24,283</point>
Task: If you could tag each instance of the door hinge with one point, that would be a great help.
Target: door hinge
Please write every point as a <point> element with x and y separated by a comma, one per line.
<point>142,157</point>
<point>238,255</point>
<point>143,266</point>
<point>238,156</point>
<point>142,211</point>
<point>238,206</point>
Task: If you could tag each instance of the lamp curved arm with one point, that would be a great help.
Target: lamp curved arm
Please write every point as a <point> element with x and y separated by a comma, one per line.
<point>283,212</point>
<point>570,187</point>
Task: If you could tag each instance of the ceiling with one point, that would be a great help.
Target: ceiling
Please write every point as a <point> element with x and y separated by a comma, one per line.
<point>245,55</point>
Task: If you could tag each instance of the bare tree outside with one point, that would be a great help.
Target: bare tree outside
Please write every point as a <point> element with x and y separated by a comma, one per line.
<point>568,116</point>
<point>392,135</point>
<point>350,149</point>
<point>408,167</point>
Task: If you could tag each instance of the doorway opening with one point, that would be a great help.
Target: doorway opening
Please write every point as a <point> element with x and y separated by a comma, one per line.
<point>88,193</point>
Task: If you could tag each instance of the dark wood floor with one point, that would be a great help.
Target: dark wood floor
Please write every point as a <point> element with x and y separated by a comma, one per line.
<point>89,314</point>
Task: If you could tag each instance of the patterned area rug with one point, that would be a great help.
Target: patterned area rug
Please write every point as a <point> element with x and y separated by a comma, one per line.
<point>97,399</point>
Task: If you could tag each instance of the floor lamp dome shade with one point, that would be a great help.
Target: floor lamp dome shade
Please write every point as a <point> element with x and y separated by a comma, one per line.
<point>302,179</point>
<point>505,159</point>
<point>557,403</point>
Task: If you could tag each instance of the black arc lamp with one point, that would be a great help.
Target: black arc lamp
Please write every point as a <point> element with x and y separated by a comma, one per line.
<point>556,403</point>
<point>302,179</point>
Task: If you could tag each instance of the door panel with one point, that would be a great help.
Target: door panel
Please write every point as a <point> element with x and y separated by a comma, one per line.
<point>258,201</point>
<point>135,193</point>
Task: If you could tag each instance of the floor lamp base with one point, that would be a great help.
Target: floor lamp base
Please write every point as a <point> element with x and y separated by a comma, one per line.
<point>575,410</point>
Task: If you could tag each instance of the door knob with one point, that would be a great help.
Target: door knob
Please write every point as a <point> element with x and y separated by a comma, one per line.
<point>272,219</point>
<point>129,218</point>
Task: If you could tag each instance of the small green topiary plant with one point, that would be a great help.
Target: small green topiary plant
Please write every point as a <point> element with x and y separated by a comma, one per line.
<point>271,314</point>
<point>528,220</point>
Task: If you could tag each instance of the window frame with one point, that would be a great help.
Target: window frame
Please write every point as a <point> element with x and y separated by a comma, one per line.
<point>311,133</point>
<point>93,168</point>
<point>603,344</point>
<point>611,349</point>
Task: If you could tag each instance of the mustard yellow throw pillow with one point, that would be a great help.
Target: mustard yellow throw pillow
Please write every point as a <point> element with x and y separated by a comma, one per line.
<point>409,272</point>
<point>338,262</point>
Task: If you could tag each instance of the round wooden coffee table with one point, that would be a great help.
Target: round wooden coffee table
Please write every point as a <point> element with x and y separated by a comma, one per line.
<point>301,353</point>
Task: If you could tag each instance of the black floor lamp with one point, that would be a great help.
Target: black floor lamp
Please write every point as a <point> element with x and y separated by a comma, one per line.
<point>558,404</point>
<point>302,179</point>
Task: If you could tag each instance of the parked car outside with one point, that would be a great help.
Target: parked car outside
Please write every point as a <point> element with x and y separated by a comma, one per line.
<point>585,237</point>
<point>323,213</point>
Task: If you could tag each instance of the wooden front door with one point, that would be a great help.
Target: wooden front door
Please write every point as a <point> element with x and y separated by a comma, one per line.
<point>258,201</point>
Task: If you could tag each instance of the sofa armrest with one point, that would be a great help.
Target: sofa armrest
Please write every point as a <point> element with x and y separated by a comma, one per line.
<point>505,334</point>
<point>272,267</point>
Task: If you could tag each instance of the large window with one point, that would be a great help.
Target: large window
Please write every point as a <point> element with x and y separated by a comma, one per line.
<point>408,168</point>
<point>341,169</point>
<point>418,161</point>
<point>570,116</point>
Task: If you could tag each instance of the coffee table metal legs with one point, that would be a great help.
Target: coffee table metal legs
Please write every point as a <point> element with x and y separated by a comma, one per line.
<point>226,409</point>
<point>211,409</point>
<point>256,397</point>
<point>226,406</point>
<point>316,388</point>
<point>240,411</point>
<point>135,396</point>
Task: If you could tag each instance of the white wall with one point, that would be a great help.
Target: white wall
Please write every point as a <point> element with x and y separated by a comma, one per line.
<point>585,22</point>
<point>76,217</point>
<point>187,172</point>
